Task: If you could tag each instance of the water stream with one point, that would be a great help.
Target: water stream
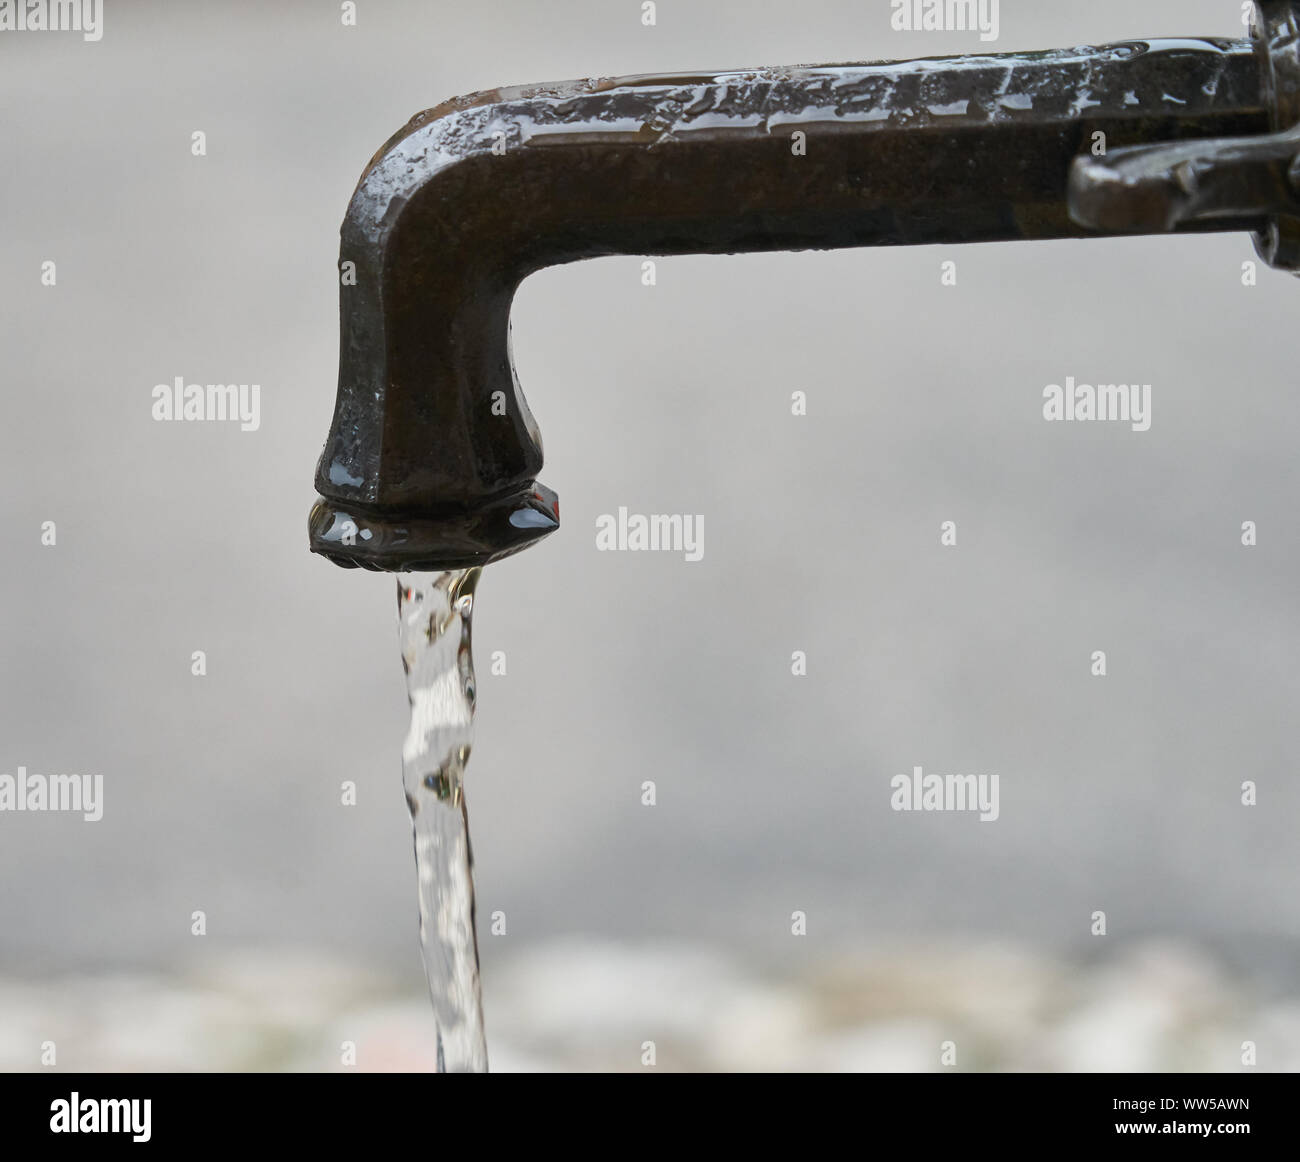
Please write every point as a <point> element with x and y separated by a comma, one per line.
<point>434,615</point>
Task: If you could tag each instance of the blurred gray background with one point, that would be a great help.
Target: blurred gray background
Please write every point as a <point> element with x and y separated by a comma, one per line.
<point>222,792</point>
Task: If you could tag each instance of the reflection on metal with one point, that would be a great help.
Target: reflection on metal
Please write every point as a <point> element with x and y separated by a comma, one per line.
<point>433,456</point>
<point>1171,186</point>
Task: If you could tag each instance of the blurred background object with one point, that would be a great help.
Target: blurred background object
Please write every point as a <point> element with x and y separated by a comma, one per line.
<point>584,1004</point>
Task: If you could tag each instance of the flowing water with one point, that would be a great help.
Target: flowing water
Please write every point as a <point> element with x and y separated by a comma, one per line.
<point>434,614</point>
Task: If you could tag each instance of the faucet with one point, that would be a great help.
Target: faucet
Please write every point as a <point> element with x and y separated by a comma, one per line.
<point>433,456</point>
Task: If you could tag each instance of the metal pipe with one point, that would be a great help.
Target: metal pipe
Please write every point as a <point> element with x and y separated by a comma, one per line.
<point>433,456</point>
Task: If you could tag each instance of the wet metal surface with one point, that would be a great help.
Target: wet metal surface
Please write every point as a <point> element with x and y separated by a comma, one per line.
<point>1170,186</point>
<point>433,456</point>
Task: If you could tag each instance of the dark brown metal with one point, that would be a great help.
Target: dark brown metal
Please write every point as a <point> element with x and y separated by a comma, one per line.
<point>1276,30</point>
<point>1169,186</point>
<point>433,456</point>
<point>1155,188</point>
